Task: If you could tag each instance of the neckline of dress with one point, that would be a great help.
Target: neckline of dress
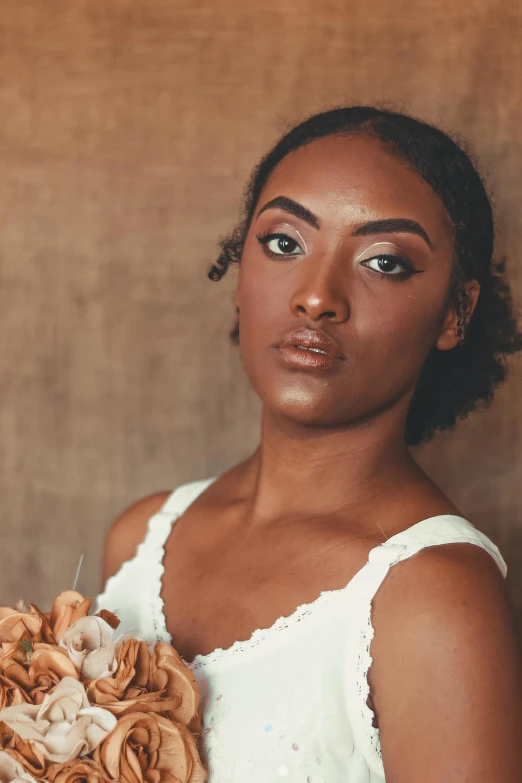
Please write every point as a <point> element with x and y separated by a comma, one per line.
<point>284,621</point>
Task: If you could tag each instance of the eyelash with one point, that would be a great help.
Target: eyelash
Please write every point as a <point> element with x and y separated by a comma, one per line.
<point>407,267</point>
<point>266,238</point>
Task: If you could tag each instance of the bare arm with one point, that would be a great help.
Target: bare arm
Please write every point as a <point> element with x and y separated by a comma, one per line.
<point>128,531</point>
<point>446,679</point>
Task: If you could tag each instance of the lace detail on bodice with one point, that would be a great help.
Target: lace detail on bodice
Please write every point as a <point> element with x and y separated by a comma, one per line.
<point>266,635</point>
<point>363,666</point>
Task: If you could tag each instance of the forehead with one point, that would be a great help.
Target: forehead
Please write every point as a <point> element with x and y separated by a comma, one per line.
<point>354,178</point>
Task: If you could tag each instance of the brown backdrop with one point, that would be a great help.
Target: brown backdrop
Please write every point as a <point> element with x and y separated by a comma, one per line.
<point>127,129</point>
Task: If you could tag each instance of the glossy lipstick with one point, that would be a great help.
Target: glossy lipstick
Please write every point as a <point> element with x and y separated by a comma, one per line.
<point>308,349</point>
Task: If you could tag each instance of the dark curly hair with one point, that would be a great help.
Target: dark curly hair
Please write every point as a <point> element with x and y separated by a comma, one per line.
<point>451,383</point>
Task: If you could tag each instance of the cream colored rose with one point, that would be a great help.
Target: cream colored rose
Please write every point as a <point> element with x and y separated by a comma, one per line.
<point>64,726</point>
<point>11,771</point>
<point>89,645</point>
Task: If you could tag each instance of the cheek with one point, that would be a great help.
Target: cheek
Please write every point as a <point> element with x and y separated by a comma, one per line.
<point>263,298</point>
<point>401,327</point>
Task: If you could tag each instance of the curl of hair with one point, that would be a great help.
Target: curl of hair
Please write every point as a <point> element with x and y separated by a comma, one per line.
<point>452,383</point>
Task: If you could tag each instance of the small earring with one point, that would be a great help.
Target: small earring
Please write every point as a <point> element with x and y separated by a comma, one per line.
<point>461,329</point>
<point>462,316</point>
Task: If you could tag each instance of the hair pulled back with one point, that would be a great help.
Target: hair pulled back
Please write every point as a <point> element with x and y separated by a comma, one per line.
<point>452,383</point>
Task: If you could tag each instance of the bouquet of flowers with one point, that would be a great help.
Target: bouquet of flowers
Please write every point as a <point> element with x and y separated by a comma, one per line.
<point>78,705</point>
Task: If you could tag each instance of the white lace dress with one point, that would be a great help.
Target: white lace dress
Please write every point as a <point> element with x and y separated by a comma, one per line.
<point>289,704</point>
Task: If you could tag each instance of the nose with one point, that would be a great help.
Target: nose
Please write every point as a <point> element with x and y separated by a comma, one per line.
<point>321,294</point>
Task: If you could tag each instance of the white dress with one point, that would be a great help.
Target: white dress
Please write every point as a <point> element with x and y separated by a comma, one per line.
<point>289,704</point>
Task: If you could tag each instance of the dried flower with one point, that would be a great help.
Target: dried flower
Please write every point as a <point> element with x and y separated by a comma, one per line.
<point>14,624</point>
<point>89,645</point>
<point>11,692</point>
<point>131,673</point>
<point>64,726</point>
<point>67,608</point>
<point>11,771</point>
<point>77,771</point>
<point>170,675</point>
<point>128,689</point>
<point>79,706</point>
<point>147,746</point>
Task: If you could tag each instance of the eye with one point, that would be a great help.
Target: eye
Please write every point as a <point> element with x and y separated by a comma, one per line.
<point>280,245</point>
<point>390,265</point>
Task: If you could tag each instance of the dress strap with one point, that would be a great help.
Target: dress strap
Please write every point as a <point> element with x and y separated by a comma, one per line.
<point>435,531</point>
<point>439,530</point>
<point>160,524</point>
<point>183,496</point>
<point>146,569</point>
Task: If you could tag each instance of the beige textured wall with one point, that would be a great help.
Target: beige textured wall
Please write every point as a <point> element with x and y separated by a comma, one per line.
<point>127,129</point>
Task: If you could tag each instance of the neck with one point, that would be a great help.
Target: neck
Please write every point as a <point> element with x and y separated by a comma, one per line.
<point>309,471</point>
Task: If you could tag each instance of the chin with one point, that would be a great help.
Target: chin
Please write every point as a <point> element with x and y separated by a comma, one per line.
<point>302,406</point>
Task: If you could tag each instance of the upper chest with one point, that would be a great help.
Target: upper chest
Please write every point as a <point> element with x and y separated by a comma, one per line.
<point>222,583</point>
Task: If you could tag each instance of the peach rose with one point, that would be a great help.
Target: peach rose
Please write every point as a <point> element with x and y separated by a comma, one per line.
<point>15,624</point>
<point>66,610</point>
<point>11,771</point>
<point>48,666</point>
<point>10,692</point>
<point>171,676</point>
<point>64,726</point>
<point>148,747</point>
<point>131,673</point>
<point>29,757</point>
<point>127,690</point>
<point>76,771</point>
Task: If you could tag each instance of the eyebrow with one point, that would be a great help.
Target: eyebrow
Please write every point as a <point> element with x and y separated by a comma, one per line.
<point>385,226</point>
<point>392,226</point>
<point>293,208</point>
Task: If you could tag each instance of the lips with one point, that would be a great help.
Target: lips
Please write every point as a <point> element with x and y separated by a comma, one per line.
<point>309,350</point>
<point>317,343</point>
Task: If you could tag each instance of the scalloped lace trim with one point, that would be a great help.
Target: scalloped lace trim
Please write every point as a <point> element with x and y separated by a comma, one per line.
<point>261,635</point>
<point>155,547</point>
<point>364,662</point>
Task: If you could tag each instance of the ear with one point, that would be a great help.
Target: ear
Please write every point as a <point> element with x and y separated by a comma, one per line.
<point>449,335</point>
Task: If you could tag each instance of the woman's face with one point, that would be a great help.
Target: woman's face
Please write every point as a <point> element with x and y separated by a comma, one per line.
<point>353,250</point>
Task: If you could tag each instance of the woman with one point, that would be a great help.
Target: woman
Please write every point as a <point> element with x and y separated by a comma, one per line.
<point>370,316</point>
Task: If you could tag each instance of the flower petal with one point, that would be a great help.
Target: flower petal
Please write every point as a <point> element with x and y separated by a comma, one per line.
<point>11,770</point>
<point>14,625</point>
<point>67,608</point>
<point>100,663</point>
<point>64,726</point>
<point>88,633</point>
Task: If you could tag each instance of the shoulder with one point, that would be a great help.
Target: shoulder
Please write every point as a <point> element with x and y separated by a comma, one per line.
<point>446,664</point>
<point>452,578</point>
<point>128,531</point>
<point>444,593</point>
